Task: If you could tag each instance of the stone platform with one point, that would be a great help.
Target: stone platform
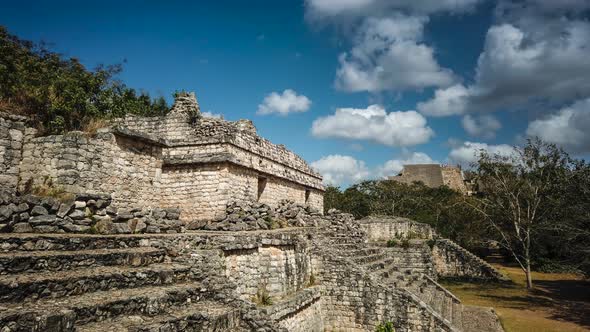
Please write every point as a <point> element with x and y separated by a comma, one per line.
<point>314,279</point>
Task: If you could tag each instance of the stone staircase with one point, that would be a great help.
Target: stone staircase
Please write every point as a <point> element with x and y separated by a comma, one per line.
<point>68,283</point>
<point>489,270</point>
<point>408,268</point>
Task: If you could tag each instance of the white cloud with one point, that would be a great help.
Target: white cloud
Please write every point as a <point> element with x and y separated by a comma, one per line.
<point>374,124</point>
<point>331,8</point>
<point>283,104</point>
<point>394,167</point>
<point>211,115</point>
<point>338,169</point>
<point>484,126</point>
<point>535,55</point>
<point>342,170</point>
<point>469,152</point>
<point>449,101</point>
<point>379,59</point>
<point>569,127</point>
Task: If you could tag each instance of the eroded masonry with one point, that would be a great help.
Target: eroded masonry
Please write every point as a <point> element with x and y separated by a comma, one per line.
<point>185,223</point>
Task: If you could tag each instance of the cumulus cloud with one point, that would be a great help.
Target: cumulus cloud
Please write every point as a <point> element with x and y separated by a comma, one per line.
<point>569,127</point>
<point>283,104</point>
<point>536,54</point>
<point>338,169</point>
<point>341,170</point>
<point>469,152</point>
<point>374,124</point>
<point>379,60</point>
<point>448,101</point>
<point>484,126</point>
<point>394,166</point>
<point>332,8</point>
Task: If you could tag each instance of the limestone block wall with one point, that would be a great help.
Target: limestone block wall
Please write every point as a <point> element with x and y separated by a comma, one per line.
<point>237,155</point>
<point>453,178</point>
<point>306,319</point>
<point>13,134</point>
<point>201,191</point>
<point>245,186</point>
<point>126,169</point>
<point>302,312</point>
<point>353,301</point>
<point>280,270</point>
<point>453,261</point>
<point>383,228</point>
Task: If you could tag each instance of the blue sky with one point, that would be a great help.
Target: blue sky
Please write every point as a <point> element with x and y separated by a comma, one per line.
<point>373,83</point>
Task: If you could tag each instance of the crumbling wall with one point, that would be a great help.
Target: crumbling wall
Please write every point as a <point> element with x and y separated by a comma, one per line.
<point>302,312</point>
<point>353,301</point>
<point>83,213</point>
<point>384,228</point>
<point>453,261</point>
<point>126,169</point>
<point>278,270</point>
<point>201,191</point>
<point>453,178</point>
<point>13,134</point>
<point>245,186</point>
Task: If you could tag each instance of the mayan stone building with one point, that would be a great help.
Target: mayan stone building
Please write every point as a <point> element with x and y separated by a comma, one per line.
<point>179,160</point>
<point>128,253</point>
<point>433,176</point>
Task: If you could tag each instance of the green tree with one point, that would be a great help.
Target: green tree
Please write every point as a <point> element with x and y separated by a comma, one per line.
<point>60,94</point>
<point>522,195</point>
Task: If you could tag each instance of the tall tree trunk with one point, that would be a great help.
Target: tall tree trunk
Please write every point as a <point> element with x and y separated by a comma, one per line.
<point>529,278</point>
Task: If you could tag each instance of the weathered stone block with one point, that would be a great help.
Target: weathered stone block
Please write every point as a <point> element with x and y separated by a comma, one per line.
<point>39,211</point>
<point>65,209</point>
<point>22,227</point>
<point>46,219</point>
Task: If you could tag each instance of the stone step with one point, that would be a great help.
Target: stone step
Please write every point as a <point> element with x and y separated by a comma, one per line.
<point>450,309</point>
<point>29,261</point>
<point>64,314</point>
<point>203,316</point>
<point>368,259</point>
<point>438,302</point>
<point>70,242</point>
<point>378,265</point>
<point>35,285</point>
<point>363,252</point>
<point>458,315</point>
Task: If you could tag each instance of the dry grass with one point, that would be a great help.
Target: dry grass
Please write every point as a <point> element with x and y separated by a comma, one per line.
<point>560,302</point>
<point>91,128</point>
<point>48,189</point>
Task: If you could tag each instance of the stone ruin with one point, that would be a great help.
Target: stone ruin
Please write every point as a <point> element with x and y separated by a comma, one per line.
<point>433,176</point>
<point>185,223</point>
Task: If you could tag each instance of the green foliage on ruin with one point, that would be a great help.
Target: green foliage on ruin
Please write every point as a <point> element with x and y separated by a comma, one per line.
<point>262,297</point>
<point>59,93</point>
<point>385,327</point>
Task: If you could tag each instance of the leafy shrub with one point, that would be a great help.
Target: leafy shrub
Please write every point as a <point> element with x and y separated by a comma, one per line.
<point>59,94</point>
<point>385,327</point>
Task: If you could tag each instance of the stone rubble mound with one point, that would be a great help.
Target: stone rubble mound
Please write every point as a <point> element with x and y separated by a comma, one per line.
<point>248,216</point>
<point>86,213</point>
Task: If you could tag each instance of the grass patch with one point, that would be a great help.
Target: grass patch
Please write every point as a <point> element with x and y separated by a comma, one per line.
<point>262,297</point>
<point>559,301</point>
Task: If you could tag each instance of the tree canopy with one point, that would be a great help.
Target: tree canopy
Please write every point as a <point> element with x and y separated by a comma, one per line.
<point>536,204</point>
<point>59,93</point>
